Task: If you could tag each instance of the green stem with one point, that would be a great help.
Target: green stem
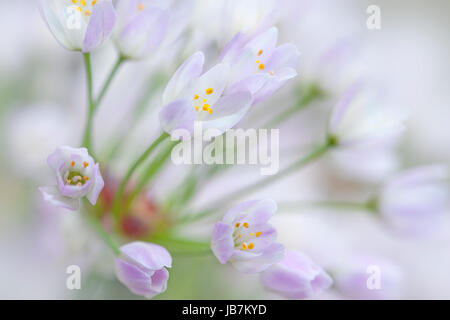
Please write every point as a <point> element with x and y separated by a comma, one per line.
<point>225,201</point>
<point>336,205</point>
<point>151,171</point>
<point>109,80</point>
<point>136,164</point>
<point>88,130</point>
<point>97,226</point>
<point>312,92</point>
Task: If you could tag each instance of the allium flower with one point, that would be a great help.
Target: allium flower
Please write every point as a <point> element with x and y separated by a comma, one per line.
<point>77,175</point>
<point>296,277</point>
<point>144,25</point>
<point>80,25</point>
<point>415,199</point>
<point>360,120</point>
<point>246,239</point>
<point>141,267</point>
<point>190,96</point>
<point>369,277</point>
<point>258,65</point>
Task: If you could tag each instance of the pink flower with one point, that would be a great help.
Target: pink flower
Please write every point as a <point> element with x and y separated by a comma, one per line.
<point>296,277</point>
<point>77,175</point>
<point>246,239</point>
<point>141,267</point>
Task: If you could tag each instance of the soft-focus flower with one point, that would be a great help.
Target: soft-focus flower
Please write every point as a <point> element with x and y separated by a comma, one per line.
<point>296,277</point>
<point>369,277</point>
<point>415,199</point>
<point>258,65</point>
<point>80,25</point>
<point>246,239</point>
<point>192,96</point>
<point>144,25</point>
<point>77,175</point>
<point>359,119</point>
<point>141,267</point>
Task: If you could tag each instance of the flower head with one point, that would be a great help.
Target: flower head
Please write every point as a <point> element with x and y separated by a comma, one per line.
<point>360,120</point>
<point>415,199</point>
<point>80,25</point>
<point>296,277</point>
<point>77,175</point>
<point>192,96</point>
<point>246,239</point>
<point>141,267</point>
<point>145,25</point>
<point>258,65</point>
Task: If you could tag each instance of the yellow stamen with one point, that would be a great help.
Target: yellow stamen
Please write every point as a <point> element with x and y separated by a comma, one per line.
<point>86,178</point>
<point>73,164</point>
<point>196,97</point>
<point>258,233</point>
<point>74,1</point>
<point>87,12</point>
<point>244,246</point>
<point>141,6</point>
<point>79,9</point>
<point>83,2</point>
<point>210,111</point>
<point>237,225</point>
<point>246,225</point>
<point>240,235</point>
<point>262,66</point>
<point>252,233</point>
<point>209,90</point>
<point>257,61</point>
<point>206,107</point>
<point>86,164</point>
<point>69,181</point>
<point>94,2</point>
<point>197,107</point>
<point>272,73</point>
<point>251,246</point>
<point>205,100</point>
<point>260,52</point>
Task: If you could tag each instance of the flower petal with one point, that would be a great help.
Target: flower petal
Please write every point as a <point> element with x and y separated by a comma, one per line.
<point>179,114</point>
<point>54,197</point>
<point>100,25</point>
<point>271,255</point>
<point>222,243</point>
<point>97,187</point>
<point>148,255</point>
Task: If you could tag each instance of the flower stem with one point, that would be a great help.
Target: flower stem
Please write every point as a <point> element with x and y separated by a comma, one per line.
<point>109,80</point>
<point>225,201</point>
<point>97,226</point>
<point>136,164</point>
<point>88,130</point>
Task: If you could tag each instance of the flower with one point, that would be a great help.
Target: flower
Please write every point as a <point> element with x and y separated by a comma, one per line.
<point>258,65</point>
<point>369,277</point>
<point>145,25</point>
<point>296,277</point>
<point>141,267</point>
<point>245,238</point>
<point>414,200</point>
<point>77,175</point>
<point>359,119</point>
<point>79,25</point>
<point>190,96</point>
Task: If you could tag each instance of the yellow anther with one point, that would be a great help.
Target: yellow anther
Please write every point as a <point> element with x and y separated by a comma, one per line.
<point>74,1</point>
<point>94,2</point>
<point>73,164</point>
<point>262,66</point>
<point>210,111</point>
<point>141,6</point>
<point>244,246</point>
<point>206,107</point>
<point>87,12</point>
<point>258,233</point>
<point>240,235</point>
<point>260,52</point>
<point>209,90</point>
<point>205,100</point>
<point>246,225</point>
<point>251,246</point>
<point>272,73</point>
<point>252,233</point>
<point>197,107</point>
<point>79,9</point>
<point>237,225</point>
<point>196,97</point>
<point>83,2</point>
<point>86,178</point>
<point>69,181</point>
<point>257,61</point>
<point>86,164</point>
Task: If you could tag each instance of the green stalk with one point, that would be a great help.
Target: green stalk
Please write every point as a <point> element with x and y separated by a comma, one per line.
<point>109,80</point>
<point>97,226</point>
<point>225,201</point>
<point>136,164</point>
<point>88,130</point>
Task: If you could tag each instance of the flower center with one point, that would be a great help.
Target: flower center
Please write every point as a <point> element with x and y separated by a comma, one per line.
<point>201,101</point>
<point>85,6</point>
<point>74,177</point>
<point>242,236</point>
<point>260,65</point>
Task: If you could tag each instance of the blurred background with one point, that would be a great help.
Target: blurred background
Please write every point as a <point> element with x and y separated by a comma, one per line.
<point>43,105</point>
